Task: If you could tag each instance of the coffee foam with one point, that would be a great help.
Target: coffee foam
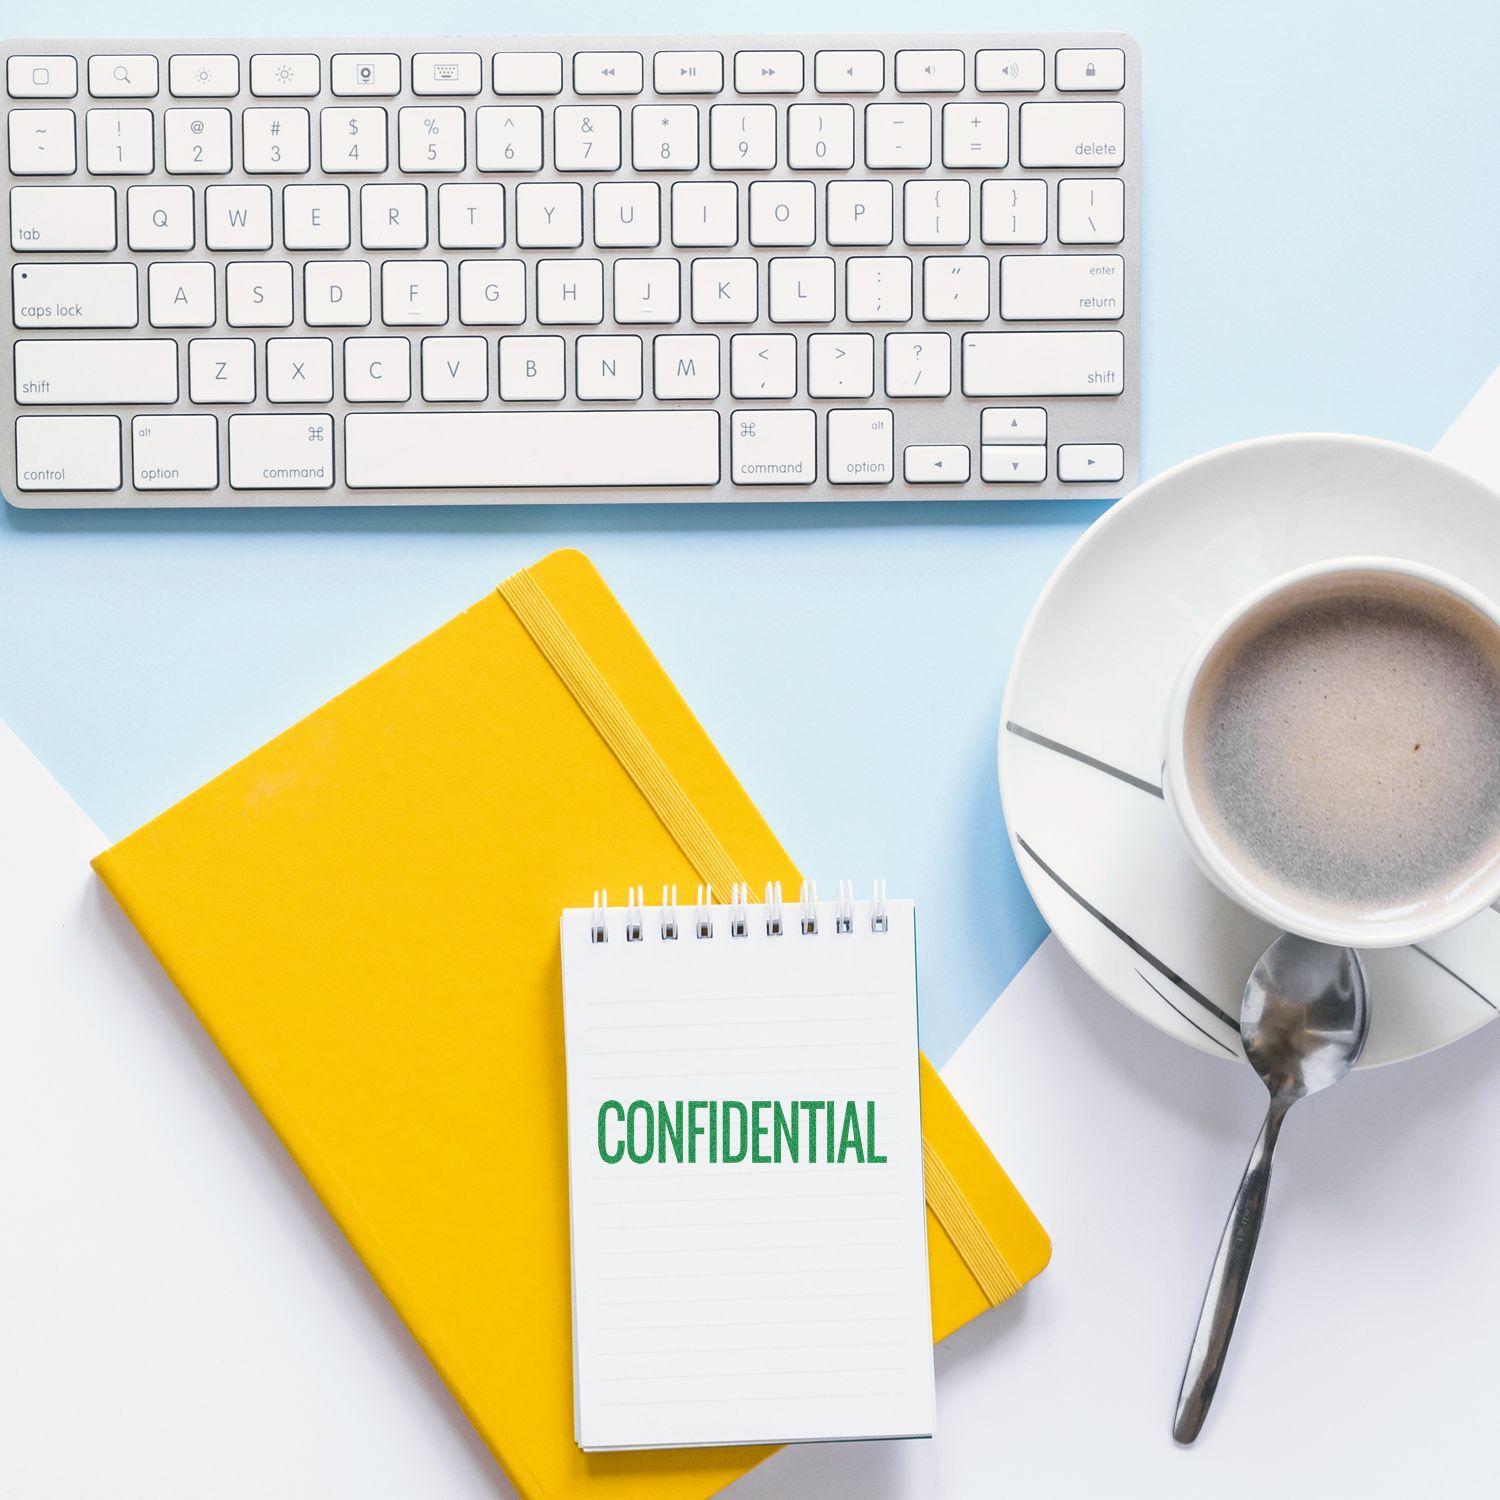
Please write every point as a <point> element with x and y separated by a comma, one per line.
<point>1343,746</point>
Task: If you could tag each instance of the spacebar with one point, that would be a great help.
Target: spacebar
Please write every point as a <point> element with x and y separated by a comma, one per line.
<point>532,450</point>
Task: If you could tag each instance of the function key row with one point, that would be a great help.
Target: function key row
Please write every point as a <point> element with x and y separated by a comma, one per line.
<point>294,75</point>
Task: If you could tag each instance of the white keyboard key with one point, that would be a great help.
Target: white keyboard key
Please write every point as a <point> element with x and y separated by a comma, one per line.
<point>1013,424</point>
<point>861,72</point>
<point>455,369</point>
<point>377,369</point>
<point>95,372</point>
<point>438,73</point>
<point>373,75</point>
<point>1090,211</point>
<point>586,138</point>
<point>1091,463</point>
<point>877,289</point>
<point>1044,364</point>
<point>1009,70</point>
<point>431,138</point>
<point>508,138</point>
<point>285,75</point>
<point>42,142</point>
<point>704,214</point>
<point>918,364</point>
<point>74,296</point>
<point>1013,213</point>
<point>277,141</point>
<point>628,214</point>
<point>773,447</point>
<point>607,72</point>
<point>861,446</point>
<point>898,135</point>
<point>491,292</point>
<point>688,72</point>
<point>1089,70</point>
<point>120,142</point>
<point>782,213</point>
<point>237,218</point>
<point>925,72</point>
<point>281,452</point>
<point>1038,288</point>
<point>68,453</point>
<point>471,216</point>
<point>197,141</point>
<point>258,294</point>
<point>414,293</point>
<point>45,77</point>
<point>956,288</point>
<point>647,291</point>
<point>802,288</point>
<point>1072,135</point>
<point>820,137</point>
<point>180,294</point>
<point>999,465</point>
<point>175,452</point>
<point>204,75</point>
<point>664,137</point>
<point>841,365</point>
<point>528,73</point>
<point>935,212</point>
<point>62,218</point>
<point>124,76</point>
<point>159,218</point>
<point>549,215</point>
<point>742,137</point>
<point>221,372</point>
<point>393,216</point>
<point>570,291</point>
<point>609,367</point>
<point>859,213</point>
<point>315,216</point>
<point>763,366</point>
<point>336,294</point>
<point>976,135</point>
<point>352,140</point>
<point>768,72</point>
<point>532,368</point>
<point>936,463</point>
<point>685,366</point>
<point>530,450</point>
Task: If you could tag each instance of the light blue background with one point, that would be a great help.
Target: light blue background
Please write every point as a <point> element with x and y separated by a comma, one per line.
<point>1321,226</point>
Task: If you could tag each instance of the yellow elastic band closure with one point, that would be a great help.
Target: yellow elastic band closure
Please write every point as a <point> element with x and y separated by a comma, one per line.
<point>964,1227</point>
<point>644,765</point>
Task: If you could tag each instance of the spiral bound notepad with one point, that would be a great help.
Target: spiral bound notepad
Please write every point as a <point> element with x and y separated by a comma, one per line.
<point>745,1161</point>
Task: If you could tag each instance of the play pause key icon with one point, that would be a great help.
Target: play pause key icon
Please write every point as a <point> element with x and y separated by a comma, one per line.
<point>689,72</point>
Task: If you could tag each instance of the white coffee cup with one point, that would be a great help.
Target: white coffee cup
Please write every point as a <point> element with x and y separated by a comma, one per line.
<point>1226,865</point>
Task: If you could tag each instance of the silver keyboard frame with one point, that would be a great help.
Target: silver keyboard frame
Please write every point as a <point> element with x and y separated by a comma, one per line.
<point>1071,419</point>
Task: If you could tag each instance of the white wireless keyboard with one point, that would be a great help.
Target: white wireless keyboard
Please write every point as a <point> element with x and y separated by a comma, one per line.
<point>353,272</point>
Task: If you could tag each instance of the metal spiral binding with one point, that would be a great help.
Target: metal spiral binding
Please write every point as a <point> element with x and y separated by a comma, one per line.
<point>739,912</point>
<point>669,915</point>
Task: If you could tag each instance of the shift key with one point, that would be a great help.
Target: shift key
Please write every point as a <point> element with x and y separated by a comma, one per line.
<point>281,452</point>
<point>96,372</point>
<point>1044,364</point>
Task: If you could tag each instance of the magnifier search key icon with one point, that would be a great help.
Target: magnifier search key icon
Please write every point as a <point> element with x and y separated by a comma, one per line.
<point>132,77</point>
<point>122,73</point>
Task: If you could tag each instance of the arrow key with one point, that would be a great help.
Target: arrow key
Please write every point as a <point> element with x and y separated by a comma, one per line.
<point>1009,465</point>
<point>849,72</point>
<point>934,464</point>
<point>1013,424</point>
<point>1091,463</point>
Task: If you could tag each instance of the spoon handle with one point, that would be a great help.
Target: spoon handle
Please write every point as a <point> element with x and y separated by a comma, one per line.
<point>1226,1283</point>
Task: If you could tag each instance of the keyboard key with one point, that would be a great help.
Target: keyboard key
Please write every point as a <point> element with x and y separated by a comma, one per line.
<point>531,450</point>
<point>664,137</point>
<point>570,291</point>
<point>48,77</point>
<point>299,370</point>
<point>1089,70</point>
<point>742,137</point>
<point>586,138</point>
<point>1091,211</point>
<point>528,73</point>
<point>841,365</point>
<point>62,218</point>
<point>315,216</point>
<point>956,288</point>
<point>936,464</point>
<point>446,73</point>
<point>221,371</point>
<point>160,218</point>
<point>431,138</point>
<point>377,369</point>
<point>768,72</point>
<point>414,293</point>
<point>919,72</point>
<point>204,75</point>
<point>1013,424</point>
<point>609,367</point>
<point>549,215</point>
<point>861,446</point>
<point>647,290</point>
<point>783,213</point>
<point>285,75</point>
<point>124,76</point>
<point>1043,364</point>
<point>1009,71</point>
<point>375,75</point>
<point>1037,288</point>
<point>877,289</point>
<point>471,216</point>
<point>121,142</point>
<point>820,137</point>
<point>180,294</point>
<point>95,372</point>
<point>607,72</point>
<point>42,142</point>
<point>1093,463</point>
<point>688,72</point>
<point>1072,135</point>
<point>861,72</point>
<point>685,366</point>
<point>1002,465</point>
<point>976,135</point>
<point>74,296</point>
<point>336,294</point>
<point>508,138</point>
<point>175,452</point>
<point>258,294</point>
<point>277,142</point>
<point>725,291</point>
<point>898,135</point>
<point>532,368</point>
<point>773,447</point>
<point>703,214</point>
<point>859,213</point>
<point>455,369</point>
<point>802,288</point>
<point>237,218</point>
<point>68,453</point>
<point>1013,213</point>
<point>918,364</point>
<point>763,366</point>
<point>352,140</point>
<point>935,212</point>
<point>281,452</point>
<point>197,141</point>
<point>393,216</point>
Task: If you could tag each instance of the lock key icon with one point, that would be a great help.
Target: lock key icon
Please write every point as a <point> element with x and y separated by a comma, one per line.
<point>1090,71</point>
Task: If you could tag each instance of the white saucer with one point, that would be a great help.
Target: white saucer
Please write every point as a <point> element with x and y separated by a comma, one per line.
<point>1081,727</point>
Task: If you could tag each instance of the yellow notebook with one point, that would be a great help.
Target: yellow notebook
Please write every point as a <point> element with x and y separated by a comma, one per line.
<point>364,915</point>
